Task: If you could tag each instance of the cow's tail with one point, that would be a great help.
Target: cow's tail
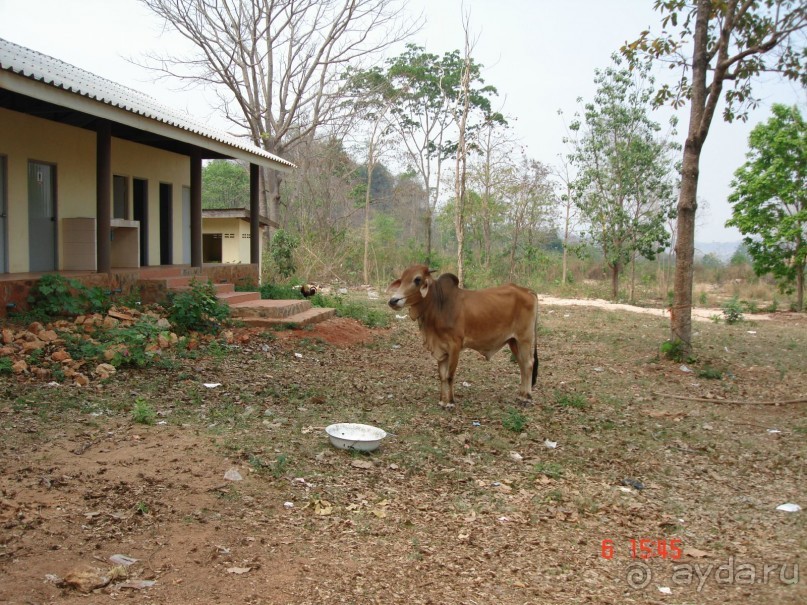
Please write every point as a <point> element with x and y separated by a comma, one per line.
<point>535,364</point>
<point>535,348</point>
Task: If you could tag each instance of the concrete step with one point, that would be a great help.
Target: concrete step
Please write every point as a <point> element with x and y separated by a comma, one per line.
<point>232,298</point>
<point>298,320</point>
<point>271,309</point>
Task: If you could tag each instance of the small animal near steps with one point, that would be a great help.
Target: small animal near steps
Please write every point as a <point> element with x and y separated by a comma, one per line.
<point>453,318</point>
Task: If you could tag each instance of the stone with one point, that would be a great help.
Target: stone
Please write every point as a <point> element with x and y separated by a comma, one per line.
<point>18,367</point>
<point>35,327</point>
<point>32,345</point>
<point>105,370</point>
<point>47,335</point>
<point>60,356</point>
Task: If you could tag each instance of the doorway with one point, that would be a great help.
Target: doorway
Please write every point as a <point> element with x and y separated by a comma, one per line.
<point>140,207</point>
<point>41,217</point>
<point>186,225</point>
<point>211,247</point>
<point>3,216</point>
<point>166,224</point>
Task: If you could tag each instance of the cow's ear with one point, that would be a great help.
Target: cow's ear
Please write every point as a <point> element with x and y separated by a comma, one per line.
<point>394,285</point>
<point>424,287</point>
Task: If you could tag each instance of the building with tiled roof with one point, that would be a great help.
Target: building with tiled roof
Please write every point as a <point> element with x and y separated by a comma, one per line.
<point>96,176</point>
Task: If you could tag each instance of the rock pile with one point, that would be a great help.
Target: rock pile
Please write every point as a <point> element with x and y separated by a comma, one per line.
<point>43,352</point>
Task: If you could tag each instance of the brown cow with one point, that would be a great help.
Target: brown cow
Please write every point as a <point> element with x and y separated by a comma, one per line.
<point>452,318</point>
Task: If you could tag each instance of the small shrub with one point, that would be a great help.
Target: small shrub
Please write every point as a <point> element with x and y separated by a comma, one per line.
<point>733,311</point>
<point>703,299</point>
<point>5,365</point>
<point>143,413</point>
<point>514,420</point>
<point>282,250</point>
<point>141,508</point>
<point>672,350</point>
<point>197,309</point>
<point>710,373</point>
<point>54,295</point>
<point>369,315</point>
<point>749,306</point>
<point>279,292</point>
<point>280,466</point>
<point>575,400</point>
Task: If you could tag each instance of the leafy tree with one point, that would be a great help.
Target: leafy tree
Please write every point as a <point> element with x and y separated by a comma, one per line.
<point>711,261</point>
<point>426,91</point>
<point>225,184</point>
<point>740,256</point>
<point>624,186</point>
<point>715,44</point>
<point>769,199</point>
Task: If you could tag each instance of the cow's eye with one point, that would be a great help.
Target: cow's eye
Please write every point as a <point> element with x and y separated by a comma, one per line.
<point>418,280</point>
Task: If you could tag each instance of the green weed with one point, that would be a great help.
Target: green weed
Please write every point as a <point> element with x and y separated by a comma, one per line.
<point>733,311</point>
<point>573,400</point>
<point>514,420</point>
<point>197,309</point>
<point>143,413</point>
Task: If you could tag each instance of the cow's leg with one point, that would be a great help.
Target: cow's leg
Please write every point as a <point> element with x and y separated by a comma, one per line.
<point>446,367</point>
<point>523,352</point>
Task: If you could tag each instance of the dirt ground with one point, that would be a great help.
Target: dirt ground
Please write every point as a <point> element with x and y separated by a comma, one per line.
<point>488,503</point>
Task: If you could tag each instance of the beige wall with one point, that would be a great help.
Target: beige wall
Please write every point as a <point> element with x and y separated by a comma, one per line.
<point>136,161</point>
<point>72,151</point>
<point>231,248</point>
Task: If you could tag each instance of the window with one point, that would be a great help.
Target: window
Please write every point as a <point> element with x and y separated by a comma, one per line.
<point>120,197</point>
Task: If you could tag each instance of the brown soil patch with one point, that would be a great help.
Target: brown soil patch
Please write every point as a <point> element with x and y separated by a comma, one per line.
<point>340,332</point>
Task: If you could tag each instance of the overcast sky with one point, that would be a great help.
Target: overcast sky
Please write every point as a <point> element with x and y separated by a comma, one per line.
<point>539,54</point>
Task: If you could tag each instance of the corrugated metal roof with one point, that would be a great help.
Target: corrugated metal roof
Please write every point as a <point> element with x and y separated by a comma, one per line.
<point>54,72</point>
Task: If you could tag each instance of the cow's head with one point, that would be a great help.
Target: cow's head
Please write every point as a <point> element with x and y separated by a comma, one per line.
<point>411,288</point>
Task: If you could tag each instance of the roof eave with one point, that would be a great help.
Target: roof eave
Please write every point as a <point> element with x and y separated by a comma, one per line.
<point>77,102</point>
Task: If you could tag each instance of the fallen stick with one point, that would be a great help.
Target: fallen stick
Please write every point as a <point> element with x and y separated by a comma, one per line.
<point>731,401</point>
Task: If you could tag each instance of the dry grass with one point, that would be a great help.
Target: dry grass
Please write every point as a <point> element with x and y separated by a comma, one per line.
<point>446,512</point>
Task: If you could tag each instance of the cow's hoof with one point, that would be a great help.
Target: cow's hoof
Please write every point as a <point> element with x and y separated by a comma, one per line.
<point>446,406</point>
<point>525,401</point>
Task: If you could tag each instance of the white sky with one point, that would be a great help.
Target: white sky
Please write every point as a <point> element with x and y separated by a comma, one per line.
<point>539,54</point>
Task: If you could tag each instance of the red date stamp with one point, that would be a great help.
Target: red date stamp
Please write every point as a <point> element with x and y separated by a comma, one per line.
<point>645,548</point>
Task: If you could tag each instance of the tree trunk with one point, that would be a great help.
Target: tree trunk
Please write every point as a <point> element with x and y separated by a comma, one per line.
<point>701,109</point>
<point>633,277</point>
<point>428,221</point>
<point>565,262</point>
<point>270,196</point>
<point>566,224</point>
<point>800,289</point>
<point>367,216</point>
<point>681,311</point>
<point>615,281</point>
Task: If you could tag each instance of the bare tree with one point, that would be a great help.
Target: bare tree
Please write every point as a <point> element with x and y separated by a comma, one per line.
<point>531,197</point>
<point>276,65</point>
<point>568,211</point>
<point>460,175</point>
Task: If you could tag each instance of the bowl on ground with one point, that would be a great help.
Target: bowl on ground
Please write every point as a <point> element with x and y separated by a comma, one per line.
<point>354,436</point>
